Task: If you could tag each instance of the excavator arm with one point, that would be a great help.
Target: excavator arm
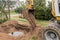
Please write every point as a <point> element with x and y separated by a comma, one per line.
<point>28,13</point>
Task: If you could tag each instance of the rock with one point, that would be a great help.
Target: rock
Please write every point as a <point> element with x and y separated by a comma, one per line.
<point>16,34</point>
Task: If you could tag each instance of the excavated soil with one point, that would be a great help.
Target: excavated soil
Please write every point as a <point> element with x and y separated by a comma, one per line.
<point>11,26</point>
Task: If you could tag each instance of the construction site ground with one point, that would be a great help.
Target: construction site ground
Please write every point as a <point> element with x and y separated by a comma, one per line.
<point>12,26</point>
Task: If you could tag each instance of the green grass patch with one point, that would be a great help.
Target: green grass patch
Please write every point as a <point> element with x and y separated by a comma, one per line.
<point>13,12</point>
<point>23,20</point>
<point>43,22</point>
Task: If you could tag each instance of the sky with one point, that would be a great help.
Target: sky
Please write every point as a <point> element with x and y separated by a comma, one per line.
<point>23,0</point>
<point>47,2</point>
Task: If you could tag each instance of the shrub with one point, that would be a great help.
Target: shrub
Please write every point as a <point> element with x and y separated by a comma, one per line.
<point>18,10</point>
<point>43,14</point>
<point>2,20</point>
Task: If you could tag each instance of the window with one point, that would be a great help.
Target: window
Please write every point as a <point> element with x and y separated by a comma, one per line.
<point>59,5</point>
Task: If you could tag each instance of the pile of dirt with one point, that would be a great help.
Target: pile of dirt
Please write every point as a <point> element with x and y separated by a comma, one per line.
<point>11,26</point>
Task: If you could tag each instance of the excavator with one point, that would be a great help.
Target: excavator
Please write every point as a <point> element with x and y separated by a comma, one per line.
<point>52,31</point>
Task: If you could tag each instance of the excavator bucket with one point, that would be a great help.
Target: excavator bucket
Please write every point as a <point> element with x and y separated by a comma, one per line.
<point>29,16</point>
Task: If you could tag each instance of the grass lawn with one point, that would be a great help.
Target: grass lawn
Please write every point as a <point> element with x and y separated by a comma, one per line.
<point>13,12</point>
<point>41,22</point>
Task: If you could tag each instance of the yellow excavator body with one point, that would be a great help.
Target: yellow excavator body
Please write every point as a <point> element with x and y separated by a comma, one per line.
<point>54,9</point>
